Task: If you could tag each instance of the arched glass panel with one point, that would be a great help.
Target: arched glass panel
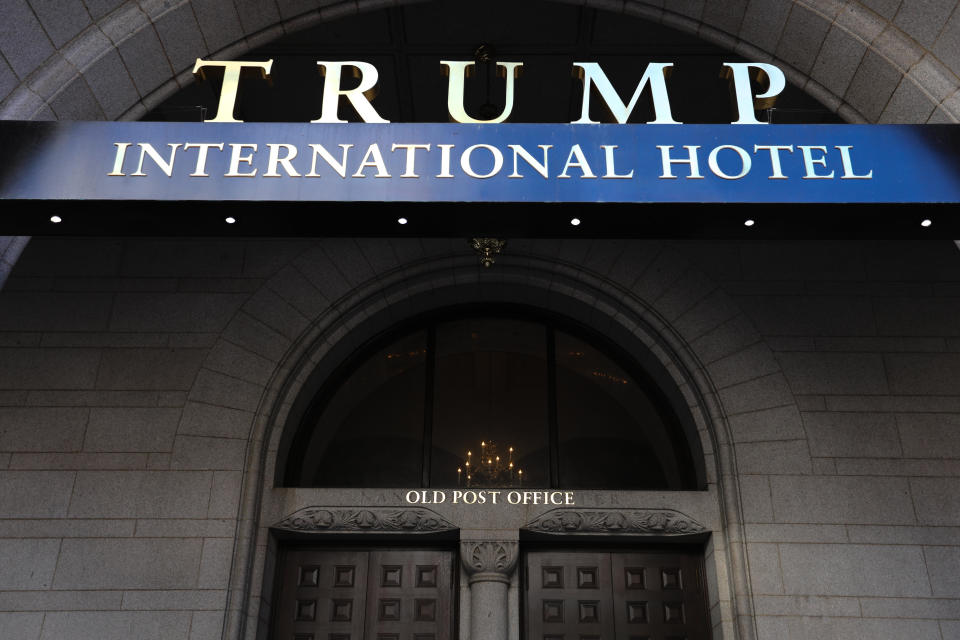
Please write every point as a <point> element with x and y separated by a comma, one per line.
<point>606,420</point>
<point>491,387</point>
<point>487,400</point>
<point>370,431</point>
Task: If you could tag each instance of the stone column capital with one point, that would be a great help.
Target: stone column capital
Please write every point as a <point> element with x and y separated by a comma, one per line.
<point>489,560</point>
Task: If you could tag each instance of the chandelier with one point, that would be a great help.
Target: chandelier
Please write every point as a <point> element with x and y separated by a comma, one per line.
<point>489,468</point>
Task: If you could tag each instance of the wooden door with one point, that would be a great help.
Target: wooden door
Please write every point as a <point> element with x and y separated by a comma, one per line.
<point>409,596</point>
<point>322,595</point>
<point>364,595</point>
<point>615,596</point>
<point>569,596</point>
<point>659,596</point>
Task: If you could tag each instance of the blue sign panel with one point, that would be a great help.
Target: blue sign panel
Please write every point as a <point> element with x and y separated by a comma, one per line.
<point>481,163</point>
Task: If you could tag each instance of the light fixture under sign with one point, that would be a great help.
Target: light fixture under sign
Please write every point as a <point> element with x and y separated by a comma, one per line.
<point>488,248</point>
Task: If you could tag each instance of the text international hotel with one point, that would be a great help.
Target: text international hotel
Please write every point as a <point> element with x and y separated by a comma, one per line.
<point>493,320</point>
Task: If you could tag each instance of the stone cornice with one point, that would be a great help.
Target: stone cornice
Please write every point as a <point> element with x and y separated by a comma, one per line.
<point>648,522</point>
<point>363,520</point>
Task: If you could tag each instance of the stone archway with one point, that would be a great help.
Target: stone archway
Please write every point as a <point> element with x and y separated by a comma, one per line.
<point>726,374</point>
<point>867,62</point>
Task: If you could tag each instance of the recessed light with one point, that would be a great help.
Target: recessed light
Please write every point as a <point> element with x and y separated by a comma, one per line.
<point>56,219</point>
<point>749,222</point>
<point>230,220</point>
<point>575,222</point>
<point>926,222</point>
<point>401,221</point>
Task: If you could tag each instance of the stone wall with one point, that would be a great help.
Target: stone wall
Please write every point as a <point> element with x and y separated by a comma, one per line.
<point>136,377</point>
<point>853,523</point>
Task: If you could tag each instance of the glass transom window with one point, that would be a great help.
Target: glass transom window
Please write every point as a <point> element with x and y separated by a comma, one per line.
<point>490,400</point>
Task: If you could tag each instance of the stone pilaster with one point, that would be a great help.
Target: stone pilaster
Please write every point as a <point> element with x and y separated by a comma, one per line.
<point>489,565</point>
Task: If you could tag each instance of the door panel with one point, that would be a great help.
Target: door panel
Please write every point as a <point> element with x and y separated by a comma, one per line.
<point>615,596</point>
<point>322,595</point>
<point>409,596</point>
<point>569,596</point>
<point>658,595</point>
<point>364,595</point>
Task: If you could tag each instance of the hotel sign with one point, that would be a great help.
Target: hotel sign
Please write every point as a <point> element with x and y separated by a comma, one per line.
<point>470,160</point>
<point>591,74</point>
<point>408,162</point>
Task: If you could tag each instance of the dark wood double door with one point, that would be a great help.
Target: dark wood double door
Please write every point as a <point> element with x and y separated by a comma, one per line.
<point>389,594</point>
<point>615,596</point>
<point>407,594</point>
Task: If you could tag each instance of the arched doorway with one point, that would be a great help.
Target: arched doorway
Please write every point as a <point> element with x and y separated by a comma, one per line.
<point>344,516</point>
<point>487,416</point>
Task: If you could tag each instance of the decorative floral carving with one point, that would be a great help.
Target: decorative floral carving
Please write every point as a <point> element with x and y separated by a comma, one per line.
<point>488,559</point>
<point>323,519</point>
<point>661,522</point>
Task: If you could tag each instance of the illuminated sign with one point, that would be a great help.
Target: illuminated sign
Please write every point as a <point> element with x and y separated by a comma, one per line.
<point>470,160</point>
<point>490,496</point>
<point>590,74</point>
<point>480,163</point>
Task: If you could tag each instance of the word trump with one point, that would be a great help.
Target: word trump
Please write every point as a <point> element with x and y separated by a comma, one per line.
<point>490,496</point>
<point>591,75</point>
